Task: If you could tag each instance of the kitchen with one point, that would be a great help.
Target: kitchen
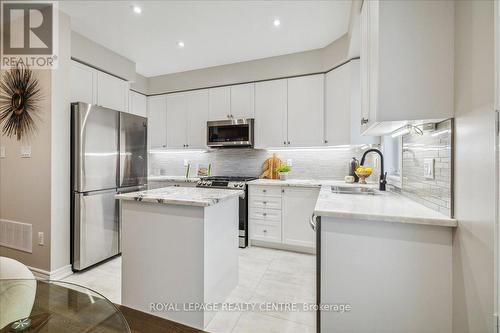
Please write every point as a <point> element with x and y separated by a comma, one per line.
<point>229,179</point>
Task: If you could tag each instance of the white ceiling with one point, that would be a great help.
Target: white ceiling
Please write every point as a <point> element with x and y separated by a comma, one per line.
<point>214,32</point>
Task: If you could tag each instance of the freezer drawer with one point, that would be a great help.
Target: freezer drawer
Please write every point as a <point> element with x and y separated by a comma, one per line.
<point>94,147</point>
<point>96,231</point>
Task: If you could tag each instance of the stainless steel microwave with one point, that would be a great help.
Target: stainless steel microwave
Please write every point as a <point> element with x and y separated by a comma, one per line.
<point>230,133</point>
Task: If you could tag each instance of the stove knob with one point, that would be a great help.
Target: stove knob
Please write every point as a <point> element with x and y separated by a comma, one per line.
<point>241,185</point>
<point>209,183</point>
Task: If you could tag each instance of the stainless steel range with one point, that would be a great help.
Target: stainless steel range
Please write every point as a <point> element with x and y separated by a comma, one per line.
<point>233,183</point>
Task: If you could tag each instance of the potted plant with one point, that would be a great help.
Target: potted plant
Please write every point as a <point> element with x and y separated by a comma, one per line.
<point>283,171</point>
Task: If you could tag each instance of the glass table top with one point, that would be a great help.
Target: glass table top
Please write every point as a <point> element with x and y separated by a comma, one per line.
<point>57,307</point>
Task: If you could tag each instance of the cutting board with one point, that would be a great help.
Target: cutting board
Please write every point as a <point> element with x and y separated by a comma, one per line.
<point>269,167</point>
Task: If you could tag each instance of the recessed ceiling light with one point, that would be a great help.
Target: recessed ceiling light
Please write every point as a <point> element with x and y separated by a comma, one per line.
<point>180,44</point>
<point>277,22</point>
<point>137,9</point>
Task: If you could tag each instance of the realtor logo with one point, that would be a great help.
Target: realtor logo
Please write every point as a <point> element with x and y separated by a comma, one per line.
<point>28,33</point>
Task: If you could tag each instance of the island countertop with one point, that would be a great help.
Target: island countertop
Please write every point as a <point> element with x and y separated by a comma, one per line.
<point>383,206</point>
<point>188,196</point>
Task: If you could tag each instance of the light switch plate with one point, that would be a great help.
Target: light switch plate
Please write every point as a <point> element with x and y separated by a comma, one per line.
<point>2,152</point>
<point>25,151</point>
<point>429,168</point>
<point>289,162</point>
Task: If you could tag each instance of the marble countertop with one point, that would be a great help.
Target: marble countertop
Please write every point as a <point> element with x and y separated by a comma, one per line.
<point>173,179</point>
<point>188,196</point>
<point>383,206</point>
<point>303,182</point>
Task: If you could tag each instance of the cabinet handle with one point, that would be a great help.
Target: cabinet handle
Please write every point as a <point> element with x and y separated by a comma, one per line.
<point>313,222</point>
<point>264,202</point>
<point>284,142</point>
<point>264,214</point>
<point>364,121</point>
<point>264,191</point>
<point>288,142</point>
<point>326,141</point>
<point>264,230</point>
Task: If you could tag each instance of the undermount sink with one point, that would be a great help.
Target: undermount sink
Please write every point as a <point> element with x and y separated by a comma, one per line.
<point>353,190</point>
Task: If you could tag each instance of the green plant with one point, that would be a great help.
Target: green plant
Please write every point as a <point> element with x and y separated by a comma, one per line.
<point>283,168</point>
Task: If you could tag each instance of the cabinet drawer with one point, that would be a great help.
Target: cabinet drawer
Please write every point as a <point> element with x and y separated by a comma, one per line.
<point>269,232</point>
<point>265,202</point>
<point>265,190</point>
<point>265,214</point>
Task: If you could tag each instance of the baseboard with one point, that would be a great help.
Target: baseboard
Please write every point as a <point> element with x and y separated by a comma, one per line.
<point>285,247</point>
<point>56,274</point>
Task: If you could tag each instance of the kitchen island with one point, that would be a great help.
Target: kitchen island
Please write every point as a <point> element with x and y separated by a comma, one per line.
<point>179,251</point>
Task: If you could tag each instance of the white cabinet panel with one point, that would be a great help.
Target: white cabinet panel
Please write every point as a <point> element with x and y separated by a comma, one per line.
<point>305,111</point>
<point>271,113</point>
<point>177,115</point>
<point>242,101</point>
<point>219,103</point>
<point>265,231</point>
<point>83,83</point>
<point>297,208</point>
<point>197,119</point>
<point>137,104</point>
<point>338,106</point>
<point>112,92</point>
<point>157,121</point>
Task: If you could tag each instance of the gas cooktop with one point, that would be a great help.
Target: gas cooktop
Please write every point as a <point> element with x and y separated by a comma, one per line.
<point>237,182</point>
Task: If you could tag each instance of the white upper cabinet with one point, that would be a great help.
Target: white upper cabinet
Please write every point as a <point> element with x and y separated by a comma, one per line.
<point>271,113</point>
<point>157,121</point>
<point>242,101</point>
<point>338,106</point>
<point>112,93</point>
<point>137,104</point>
<point>83,83</point>
<point>296,209</point>
<point>197,119</point>
<point>219,103</point>
<point>177,115</point>
<point>407,62</point>
<point>306,111</point>
<point>95,87</point>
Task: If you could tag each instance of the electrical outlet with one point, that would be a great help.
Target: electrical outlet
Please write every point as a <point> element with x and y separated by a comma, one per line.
<point>429,168</point>
<point>25,151</point>
<point>289,162</point>
<point>41,239</point>
<point>2,152</point>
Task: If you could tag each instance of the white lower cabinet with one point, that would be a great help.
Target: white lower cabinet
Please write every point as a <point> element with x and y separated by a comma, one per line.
<point>296,210</point>
<point>279,216</point>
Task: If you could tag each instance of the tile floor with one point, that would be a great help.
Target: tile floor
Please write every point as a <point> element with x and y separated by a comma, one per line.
<point>266,276</point>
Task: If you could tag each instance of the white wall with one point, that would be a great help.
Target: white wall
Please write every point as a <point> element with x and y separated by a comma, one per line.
<point>473,276</point>
<point>300,63</point>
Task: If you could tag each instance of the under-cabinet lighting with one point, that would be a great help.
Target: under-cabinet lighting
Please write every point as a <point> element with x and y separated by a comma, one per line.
<point>311,149</point>
<point>441,132</point>
<point>408,129</point>
<point>176,151</point>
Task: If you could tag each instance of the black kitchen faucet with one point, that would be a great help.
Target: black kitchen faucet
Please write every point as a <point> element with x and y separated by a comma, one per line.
<point>383,176</point>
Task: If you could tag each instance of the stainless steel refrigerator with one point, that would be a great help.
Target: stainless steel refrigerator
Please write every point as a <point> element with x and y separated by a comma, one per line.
<point>108,156</point>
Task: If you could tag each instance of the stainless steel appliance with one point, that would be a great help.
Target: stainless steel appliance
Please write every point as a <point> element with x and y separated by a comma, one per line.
<point>231,183</point>
<point>230,133</point>
<point>108,156</point>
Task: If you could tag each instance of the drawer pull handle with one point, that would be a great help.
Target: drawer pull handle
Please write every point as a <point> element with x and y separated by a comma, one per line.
<point>264,191</point>
<point>265,230</point>
<point>264,202</point>
<point>264,214</point>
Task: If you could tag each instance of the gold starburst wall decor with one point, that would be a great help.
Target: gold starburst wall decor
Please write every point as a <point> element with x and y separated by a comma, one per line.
<point>19,101</point>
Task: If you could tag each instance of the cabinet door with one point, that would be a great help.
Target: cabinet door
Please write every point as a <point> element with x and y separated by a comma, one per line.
<point>177,115</point>
<point>157,121</point>
<point>83,83</point>
<point>242,101</point>
<point>338,106</point>
<point>112,92</point>
<point>137,104</point>
<point>306,111</point>
<point>219,103</point>
<point>297,208</point>
<point>364,69</point>
<point>197,119</point>
<point>355,105</point>
<point>271,113</point>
